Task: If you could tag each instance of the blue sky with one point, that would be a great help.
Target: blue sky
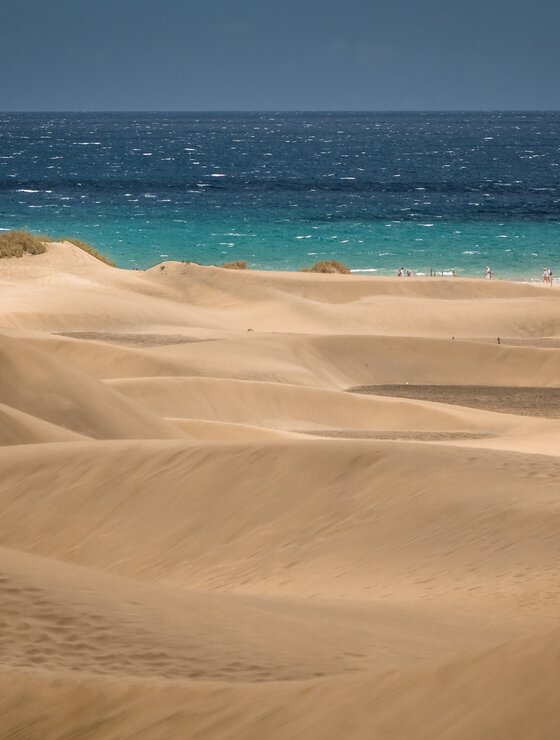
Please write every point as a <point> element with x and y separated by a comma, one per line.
<point>279,55</point>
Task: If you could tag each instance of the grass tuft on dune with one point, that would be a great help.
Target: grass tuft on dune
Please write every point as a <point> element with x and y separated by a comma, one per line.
<point>90,250</point>
<point>238,265</point>
<point>327,266</point>
<point>18,243</point>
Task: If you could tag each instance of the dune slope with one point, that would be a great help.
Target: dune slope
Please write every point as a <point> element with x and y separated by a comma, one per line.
<point>205,535</point>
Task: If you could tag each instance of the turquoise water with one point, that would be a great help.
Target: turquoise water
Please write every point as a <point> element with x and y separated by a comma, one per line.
<point>376,191</point>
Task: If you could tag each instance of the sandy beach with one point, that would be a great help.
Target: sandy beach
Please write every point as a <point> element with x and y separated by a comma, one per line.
<point>252,505</point>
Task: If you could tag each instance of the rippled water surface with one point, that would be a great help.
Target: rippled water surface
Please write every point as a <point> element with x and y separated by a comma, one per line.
<point>376,191</point>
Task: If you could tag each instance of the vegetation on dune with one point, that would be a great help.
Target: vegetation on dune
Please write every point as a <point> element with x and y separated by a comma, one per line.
<point>89,249</point>
<point>18,243</point>
<point>328,266</point>
<point>239,265</point>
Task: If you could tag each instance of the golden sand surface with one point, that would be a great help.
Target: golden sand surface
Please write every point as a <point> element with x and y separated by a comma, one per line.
<point>205,535</point>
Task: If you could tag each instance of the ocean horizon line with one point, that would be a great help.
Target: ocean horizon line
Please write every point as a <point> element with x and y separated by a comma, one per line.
<point>294,111</point>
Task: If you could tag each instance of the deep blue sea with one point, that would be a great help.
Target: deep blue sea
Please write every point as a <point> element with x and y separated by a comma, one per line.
<point>376,191</point>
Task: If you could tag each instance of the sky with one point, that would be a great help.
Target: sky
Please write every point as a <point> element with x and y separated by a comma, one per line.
<point>91,55</point>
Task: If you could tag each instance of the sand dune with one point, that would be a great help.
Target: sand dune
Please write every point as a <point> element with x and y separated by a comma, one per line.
<point>336,362</point>
<point>35,383</point>
<point>291,407</point>
<point>115,626</point>
<point>215,539</point>
<point>470,696</point>
<point>182,295</point>
<point>203,429</point>
<point>376,521</point>
<point>17,428</point>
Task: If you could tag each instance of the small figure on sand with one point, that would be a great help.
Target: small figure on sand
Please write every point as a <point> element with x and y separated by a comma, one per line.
<point>400,272</point>
<point>547,275</point>
<point>488,272</point>
<point>409,273</point>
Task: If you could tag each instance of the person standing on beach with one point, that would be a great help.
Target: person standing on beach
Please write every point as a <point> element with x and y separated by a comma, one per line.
<point>488,272</point>
<point>400,272</point>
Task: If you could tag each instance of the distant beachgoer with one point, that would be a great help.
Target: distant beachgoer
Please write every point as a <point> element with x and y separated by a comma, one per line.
<point>400,272</point>
<point>488,272</point>
<point>409,273</point>
<point>550,276</point>
<point>453,273</point>
<point>547,275</point>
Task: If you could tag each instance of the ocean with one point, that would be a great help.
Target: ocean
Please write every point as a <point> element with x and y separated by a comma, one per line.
<point>377,191</point>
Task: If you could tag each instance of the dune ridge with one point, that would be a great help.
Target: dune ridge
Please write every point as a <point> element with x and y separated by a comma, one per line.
<point>205,535</point>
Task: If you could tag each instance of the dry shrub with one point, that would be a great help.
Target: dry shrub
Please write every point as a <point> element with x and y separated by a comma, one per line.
<point>18,243</point>
<point>89,249</point>
<point>239,265</point>
<point>328,266</point>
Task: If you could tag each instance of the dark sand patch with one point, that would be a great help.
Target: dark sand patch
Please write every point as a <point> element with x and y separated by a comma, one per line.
<point>405,435</point>
<point>139,340</point>
<point>525,401</point>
